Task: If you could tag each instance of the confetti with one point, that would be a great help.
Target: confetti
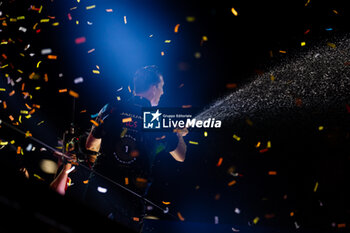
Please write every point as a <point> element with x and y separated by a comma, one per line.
<point>234,12</point>
<point>236,137</point>
<point>94,122</point>
<point>126,180</point>
<point>80,40</point>
<point>86,181</point>
<point>180,216</point>
<point>125,120</point>
<point>231,85</point>
<point>166,202</point>
<point>78,80</point>
<point>316,186</point>
<point>231,183</point>
<point>193,143</point>
<point>52,57</point>
<point>101,189</point>
<point>303,43</point>
<point>307,3</point>
<point>176,28</point>
<point>190,19</point>
<point>272,173</point>
<point>256,220</point>
<point>62,90</point>
<point>74,94</point>
<point>219,162</point>
<point>125,21</point>
<point>90,7</point>
<point>109,10</point>
<point>331,45</point>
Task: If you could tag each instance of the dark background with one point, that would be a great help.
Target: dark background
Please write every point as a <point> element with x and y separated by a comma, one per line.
<point>238,48</point>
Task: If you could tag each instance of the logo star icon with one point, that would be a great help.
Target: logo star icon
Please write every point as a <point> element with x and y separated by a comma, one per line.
<point>156,115</point>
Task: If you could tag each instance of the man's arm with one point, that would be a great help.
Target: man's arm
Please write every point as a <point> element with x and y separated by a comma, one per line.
<point>92,143</point>
<point>179,154</point>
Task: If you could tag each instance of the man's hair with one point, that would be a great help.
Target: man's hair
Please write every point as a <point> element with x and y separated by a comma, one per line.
<point>145,77</point>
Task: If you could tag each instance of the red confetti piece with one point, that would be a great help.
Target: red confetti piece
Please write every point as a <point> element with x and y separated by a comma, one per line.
<point>80,40</point>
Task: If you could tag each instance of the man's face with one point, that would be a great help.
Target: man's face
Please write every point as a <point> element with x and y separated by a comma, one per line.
<point>158,92</point>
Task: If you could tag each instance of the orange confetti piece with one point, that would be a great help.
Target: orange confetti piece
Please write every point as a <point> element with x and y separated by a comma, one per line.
<point>86,181</point>
<point>282,51</point>
<point>141,180</point>
<point>166,202</point>
<point>94,122</point>
<point>232,183</point>
<point>180,216</point>
<point>22,88</point>
<point>291,214</point>
<point>126,180</point>
<point>11,117</point>
<point>52,57</point>
<point>129,119</point>
<point>341,225</point>
<point>176,29</point>
<point>4,104</point>
<point>272,173</point>
<point>62,90</point>
<point>18,150</point>
<point>186,106</point>
<point>73,93</point>
<point>28,106</point>
<point>12,93</point>
<point>231,85</point>
<point>219,162</point>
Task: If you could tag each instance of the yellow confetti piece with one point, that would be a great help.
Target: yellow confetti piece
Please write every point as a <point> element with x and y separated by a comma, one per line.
<point>24,112</point>
<point>256,220</point>
<point>38,177</point>
<point>204,38</point>
<point>320,128</point>
<point>129,119</point>
<point>28,116</point>
<point>40,122</point>
<point>331,45</point>
<point>20,119</point>
<point>303,43</point>
<point>35,25</point>
<point>167,41</point>
<point>272,78</point>
<point>192,142</point>
<point>176,28</point>
<point>3,143</point>
<point>190,19</point>
<point>205,134</point>
<point>74,94</point>
<point>12,142</point>
<point>118,98</point>
<point>269,144</point>
<point>122,134</point>
<point>335,12</point>
<point>96,71</point>
<point>21,17</point>
<point>2,89</point>
<point>55,24</point>
<point>180,216</point>
<point>236,137</point>
<point>40,9</point>
<point>44,20</point>
<point>307,3</point>
<point>231,183</point>
<point>37,88</point>
<point>316,186</point>
<point>90,7</point>
<point>234,12</point>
